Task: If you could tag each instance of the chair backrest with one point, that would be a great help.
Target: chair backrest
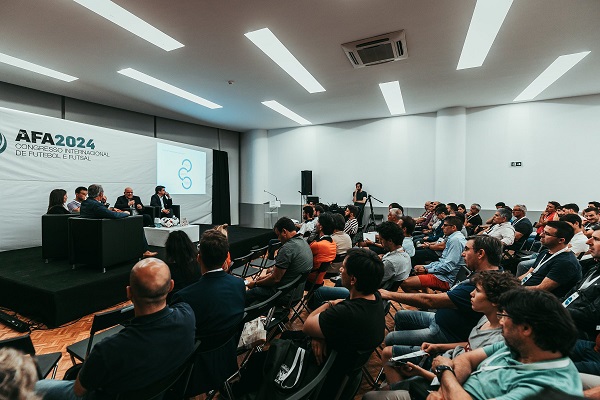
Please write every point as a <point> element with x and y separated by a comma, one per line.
<point>242,261</point>
<point>263,308</point>
<point>463,274</point>
<point>273,247</point>
<point>21,343</point>
<point>312,388</point>
<point>178,379</point>
<point>108,319</point>
<point>261,252</point>
<point>395,286</point>
<point>293,291</point>
<point>351,381</point>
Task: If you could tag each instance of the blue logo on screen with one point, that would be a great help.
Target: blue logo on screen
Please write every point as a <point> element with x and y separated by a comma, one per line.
<point>186,181</point>
<point>3,143</point>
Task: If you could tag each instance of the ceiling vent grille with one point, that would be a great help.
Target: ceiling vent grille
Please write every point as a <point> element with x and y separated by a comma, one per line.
<point>376,50</point>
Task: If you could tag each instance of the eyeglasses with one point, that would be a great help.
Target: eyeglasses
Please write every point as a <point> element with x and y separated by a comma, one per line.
<point>129,192</point>
<point>446,225</point>
<point>544,233</point>
<point>502,315</point>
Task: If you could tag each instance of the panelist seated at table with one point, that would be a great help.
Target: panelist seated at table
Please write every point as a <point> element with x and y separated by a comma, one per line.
<point>56,202</point>
<point>93,208</point>
<point>133,204</point>
<point>162,199</point>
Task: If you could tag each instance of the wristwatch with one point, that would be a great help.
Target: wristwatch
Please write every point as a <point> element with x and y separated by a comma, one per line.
<point>439,370</point>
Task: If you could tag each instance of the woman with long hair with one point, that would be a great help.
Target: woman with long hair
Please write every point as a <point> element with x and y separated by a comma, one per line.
<point>182,260</point>
<point>56,202</point>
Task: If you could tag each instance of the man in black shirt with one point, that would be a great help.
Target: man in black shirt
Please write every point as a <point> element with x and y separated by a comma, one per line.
<point>353,325</point>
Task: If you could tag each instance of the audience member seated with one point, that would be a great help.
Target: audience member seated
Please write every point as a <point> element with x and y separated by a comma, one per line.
<point>473,218</point>
<point>309,223</point>
<point>577,244</point>
<point>442,273</point>
<point>93,208</point>
<point>490,221</point>
<point>592,223</point>
<point>351,226</point>
<point>56,202</point>
<point>571,208</point>
<point>394,215</point>
<point>181,257</point>
<point>396,266</point>
<point>407,224</point>
<point>454,317</point>
<point>522,225</point>
<point>156,342</point>
<point>549,214</point>
<point>501,228</point>
<point>434,244</point>
<point>489,285</point>
<point>18,375</point>
<point>556,268</point>
<point>583,300</point>
<point>162,199</point>
<point>440,212</point>
<point>80,196</point>
<point>422,222</point>
<point>352,325</point>
<point>323,249</point>
<point>342,240</point>
<point>293,259</point>
<point>134,205</point>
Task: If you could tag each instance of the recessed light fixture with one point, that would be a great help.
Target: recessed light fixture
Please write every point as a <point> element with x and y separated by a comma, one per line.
<point>286,112</point>
<point>557,69</point>
<point>157,83</point>
<point>17,62</point>
<point>265,40</point>
<point>487,19</point>
<point>130,22</point>
<point>393,97</point>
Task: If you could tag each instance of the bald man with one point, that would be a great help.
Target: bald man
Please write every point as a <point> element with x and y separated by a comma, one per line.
<point>133,204</point>
<point>157,341</point>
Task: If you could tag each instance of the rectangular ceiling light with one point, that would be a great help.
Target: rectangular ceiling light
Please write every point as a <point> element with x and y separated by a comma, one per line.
<point>485,24</point>
<point>130,22</point>
<point>557,69</point>
<point>393,97</point>
<point>271,46</point>
<point>17,62</point>
<point>286,112</point>
<point>149,80</point>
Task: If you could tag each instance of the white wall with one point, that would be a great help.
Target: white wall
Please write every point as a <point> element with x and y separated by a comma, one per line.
<point>460,155</point>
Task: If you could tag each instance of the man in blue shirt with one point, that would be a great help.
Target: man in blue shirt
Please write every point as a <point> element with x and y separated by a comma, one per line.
<point>442,273</point>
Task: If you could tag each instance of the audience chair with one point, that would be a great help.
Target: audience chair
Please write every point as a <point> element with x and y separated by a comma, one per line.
<point>101,322</point>
<point>312,388</point>
<point>291,295</point>
<point>241,267</point>
<point>463,274</point>
<point>269,260</point>
<point>258,257</point>
<point>45,362</point>
<point>302,305</point>
<point>351,381</point>
<point>105,242</point>
<point>172,386</point>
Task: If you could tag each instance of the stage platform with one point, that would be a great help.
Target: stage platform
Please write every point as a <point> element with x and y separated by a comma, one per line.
<point>54,293</point>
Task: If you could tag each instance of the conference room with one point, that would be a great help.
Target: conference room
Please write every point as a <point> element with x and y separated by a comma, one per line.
<point>418,100</point>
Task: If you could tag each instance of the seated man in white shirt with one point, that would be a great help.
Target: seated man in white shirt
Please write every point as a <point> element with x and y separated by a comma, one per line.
<point>578,244</point>
<point>502,228</point>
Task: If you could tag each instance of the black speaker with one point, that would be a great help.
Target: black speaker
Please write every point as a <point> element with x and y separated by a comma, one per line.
<point>306,182</point>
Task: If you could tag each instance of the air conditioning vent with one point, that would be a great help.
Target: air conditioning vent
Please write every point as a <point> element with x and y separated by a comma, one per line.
<point>376,50</point>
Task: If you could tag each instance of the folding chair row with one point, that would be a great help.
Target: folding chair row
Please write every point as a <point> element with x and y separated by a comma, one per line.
<point>268,259</point>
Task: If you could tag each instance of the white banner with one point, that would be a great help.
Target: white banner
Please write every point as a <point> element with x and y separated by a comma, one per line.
<point>39,154</point>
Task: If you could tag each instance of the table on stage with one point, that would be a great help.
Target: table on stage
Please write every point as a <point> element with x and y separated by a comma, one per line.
<point>158,236</point>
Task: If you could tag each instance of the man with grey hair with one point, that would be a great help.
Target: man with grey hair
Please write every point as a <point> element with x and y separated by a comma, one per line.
<point>93,208</point>
<point>394,215</point>
<point>502,228</point>
<point>473,219</point>
<point>523,226</point>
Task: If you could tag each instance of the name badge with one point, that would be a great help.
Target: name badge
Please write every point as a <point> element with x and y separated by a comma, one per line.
<point>570,299</point>
<point>526,278</point>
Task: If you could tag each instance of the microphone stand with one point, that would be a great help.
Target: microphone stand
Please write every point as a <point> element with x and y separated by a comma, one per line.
<point>266,191</point>
<point>371,215</point>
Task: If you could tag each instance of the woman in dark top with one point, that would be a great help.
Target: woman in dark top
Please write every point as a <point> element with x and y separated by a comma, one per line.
<point>181,259</point>
<point>56,202</point>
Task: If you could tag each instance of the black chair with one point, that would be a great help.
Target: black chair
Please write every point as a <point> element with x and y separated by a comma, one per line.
<point>102,321</point>
<point>351,381</point>
<point>154,211</point>
<point>172,386</point>
<point>241,267</point>
<point>55,236</point>
<point>105,242</point>
<point>312,388</point>
<point>259,257</point>
<point>269,260</point>
<point>312,288</point>
<point>291,295</point>
<point>463,274</point>
<point>45,362</point>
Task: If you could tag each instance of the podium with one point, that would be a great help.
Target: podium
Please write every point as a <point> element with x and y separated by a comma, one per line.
<point>271,213</point>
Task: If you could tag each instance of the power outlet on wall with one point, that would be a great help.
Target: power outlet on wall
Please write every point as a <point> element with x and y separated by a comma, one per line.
<point>516,163</point>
